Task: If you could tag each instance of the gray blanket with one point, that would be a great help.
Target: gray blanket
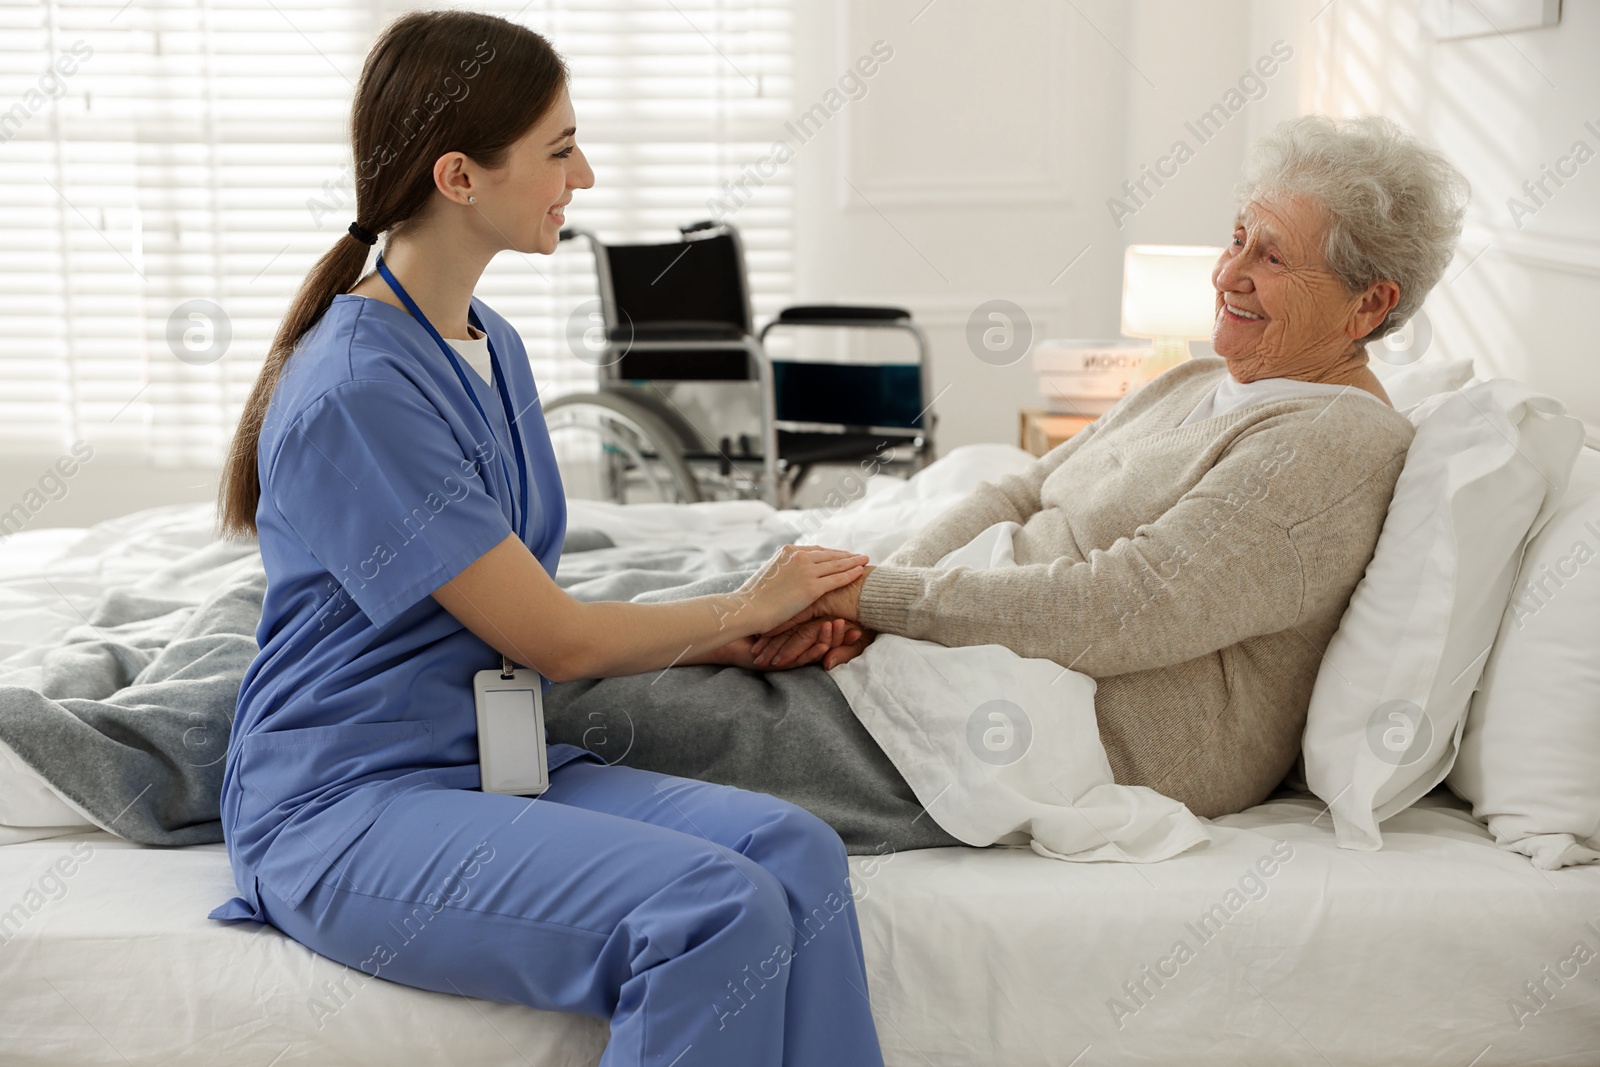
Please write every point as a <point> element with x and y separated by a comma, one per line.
<point>130,721</point>
<point>131,718</point>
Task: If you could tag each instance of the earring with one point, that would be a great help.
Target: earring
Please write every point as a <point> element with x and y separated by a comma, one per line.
<point>472,200</point>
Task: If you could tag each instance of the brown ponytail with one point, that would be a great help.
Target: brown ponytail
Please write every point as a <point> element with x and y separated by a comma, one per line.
<point>434,82</point>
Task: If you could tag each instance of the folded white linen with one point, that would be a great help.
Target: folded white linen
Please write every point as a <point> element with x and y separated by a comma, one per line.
<point>1002,749</point>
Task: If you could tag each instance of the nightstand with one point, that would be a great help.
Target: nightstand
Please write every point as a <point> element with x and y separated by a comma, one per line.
<point>1040,431</point>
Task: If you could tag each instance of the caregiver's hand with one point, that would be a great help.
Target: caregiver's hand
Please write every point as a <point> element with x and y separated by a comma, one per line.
<point>791,582</point>
<point>842,602</point>
<point>510,602</point>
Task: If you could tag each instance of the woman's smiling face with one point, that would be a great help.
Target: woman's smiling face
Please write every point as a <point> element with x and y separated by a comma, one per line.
<point>1281,311</point>
<point>530,193</point>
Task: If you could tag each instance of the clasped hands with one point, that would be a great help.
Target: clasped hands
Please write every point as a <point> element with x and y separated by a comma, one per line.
<point>827,631</point>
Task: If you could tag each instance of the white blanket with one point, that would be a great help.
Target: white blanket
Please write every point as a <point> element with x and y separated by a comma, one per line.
<point>999,748</point>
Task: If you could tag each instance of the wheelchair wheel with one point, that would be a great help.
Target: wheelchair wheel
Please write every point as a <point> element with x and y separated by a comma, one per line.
<point>637,449</point>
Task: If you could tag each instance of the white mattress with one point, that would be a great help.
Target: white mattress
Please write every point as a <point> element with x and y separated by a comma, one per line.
<point>1406,956</point>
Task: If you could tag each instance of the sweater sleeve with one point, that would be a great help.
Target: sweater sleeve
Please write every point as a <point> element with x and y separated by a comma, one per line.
<point>1013,498</point>
<point>1216,568</point>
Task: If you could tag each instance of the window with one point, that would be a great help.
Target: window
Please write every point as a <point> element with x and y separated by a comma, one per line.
<point>164,156</point>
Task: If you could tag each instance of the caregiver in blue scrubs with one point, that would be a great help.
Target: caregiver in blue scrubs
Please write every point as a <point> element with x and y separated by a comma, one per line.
<point>410,516</point>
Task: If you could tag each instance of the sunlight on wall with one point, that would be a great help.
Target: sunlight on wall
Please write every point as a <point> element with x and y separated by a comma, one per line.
<point>1508,110</point>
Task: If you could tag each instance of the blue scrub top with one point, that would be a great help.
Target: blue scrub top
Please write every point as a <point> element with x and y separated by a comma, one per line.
<point>379,483</point>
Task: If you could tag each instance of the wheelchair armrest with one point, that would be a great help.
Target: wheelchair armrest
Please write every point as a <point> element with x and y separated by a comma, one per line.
<point>836,314</point>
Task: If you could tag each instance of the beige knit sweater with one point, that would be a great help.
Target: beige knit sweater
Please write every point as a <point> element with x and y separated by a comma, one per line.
<point>1196,572</point>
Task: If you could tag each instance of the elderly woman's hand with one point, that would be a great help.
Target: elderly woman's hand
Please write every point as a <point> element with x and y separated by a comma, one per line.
<point>834,641</point>
<point>816,639</point>
<point>850,650</point>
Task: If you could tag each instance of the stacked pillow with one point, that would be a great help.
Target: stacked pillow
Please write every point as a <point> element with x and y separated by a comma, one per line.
<point>30,808</point>
<point>1410,384</point>
<point>1486,469</point>
<point>1530,754</point>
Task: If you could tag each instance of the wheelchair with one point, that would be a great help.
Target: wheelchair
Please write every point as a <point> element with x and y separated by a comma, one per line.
<point>688,406</point>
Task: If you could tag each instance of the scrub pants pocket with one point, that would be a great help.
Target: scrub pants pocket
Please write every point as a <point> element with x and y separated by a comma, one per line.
<point>710,925</point>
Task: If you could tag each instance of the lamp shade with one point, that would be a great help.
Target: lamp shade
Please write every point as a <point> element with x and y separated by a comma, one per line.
<point>1167,291</point>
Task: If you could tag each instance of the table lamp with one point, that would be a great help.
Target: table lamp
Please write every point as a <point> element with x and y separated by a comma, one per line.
<point>1168,297</point>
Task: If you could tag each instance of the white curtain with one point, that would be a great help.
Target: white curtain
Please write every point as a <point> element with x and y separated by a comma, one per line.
<point>172,168</point>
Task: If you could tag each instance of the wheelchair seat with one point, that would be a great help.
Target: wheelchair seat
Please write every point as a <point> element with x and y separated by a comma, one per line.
<point>838,315</point>
<point>677,323</point>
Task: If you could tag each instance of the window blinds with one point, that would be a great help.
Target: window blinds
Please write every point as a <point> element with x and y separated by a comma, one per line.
<point>162,158</point>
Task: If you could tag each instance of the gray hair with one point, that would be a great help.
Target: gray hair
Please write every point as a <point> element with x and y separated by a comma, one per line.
<point>1394,206</point>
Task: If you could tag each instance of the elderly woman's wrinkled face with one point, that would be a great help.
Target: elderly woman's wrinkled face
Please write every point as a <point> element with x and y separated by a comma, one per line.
<point>1281,312</point>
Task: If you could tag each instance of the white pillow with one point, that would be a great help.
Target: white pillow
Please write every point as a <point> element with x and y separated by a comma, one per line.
<point>1487,466</point>
<point>1530,755</point>
<point>30,808</point>
<point>1411,384</point>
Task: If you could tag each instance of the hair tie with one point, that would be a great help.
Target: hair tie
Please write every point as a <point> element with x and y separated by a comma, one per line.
<point>362,235</point>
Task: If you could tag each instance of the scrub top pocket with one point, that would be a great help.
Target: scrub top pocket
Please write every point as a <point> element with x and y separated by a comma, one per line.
<point>319,757</point>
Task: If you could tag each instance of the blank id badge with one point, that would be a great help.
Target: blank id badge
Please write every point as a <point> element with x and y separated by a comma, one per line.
<point>511,752</point>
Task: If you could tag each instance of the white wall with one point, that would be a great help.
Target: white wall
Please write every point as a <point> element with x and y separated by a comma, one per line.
<point>981,158</point>
<point>101,488</point>
<point>1520,298</point>
<point>981,161</point>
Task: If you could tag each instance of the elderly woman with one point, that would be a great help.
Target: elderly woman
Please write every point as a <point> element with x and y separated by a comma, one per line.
<point>1192,550</point>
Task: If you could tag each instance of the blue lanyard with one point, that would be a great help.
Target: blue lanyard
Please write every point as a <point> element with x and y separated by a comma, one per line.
<point>500,386</point>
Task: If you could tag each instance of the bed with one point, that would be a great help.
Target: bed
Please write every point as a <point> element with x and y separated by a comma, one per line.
<point>1270,945</point>
<point>1405,956</point>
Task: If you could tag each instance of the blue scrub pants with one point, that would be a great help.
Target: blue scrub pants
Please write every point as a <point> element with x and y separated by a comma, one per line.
<point>711,925</point>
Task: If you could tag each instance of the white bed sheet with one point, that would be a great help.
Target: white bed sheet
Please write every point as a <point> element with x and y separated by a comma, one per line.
<point>1410,956</point>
